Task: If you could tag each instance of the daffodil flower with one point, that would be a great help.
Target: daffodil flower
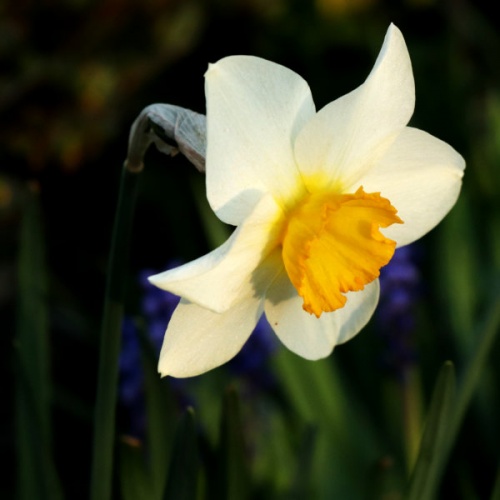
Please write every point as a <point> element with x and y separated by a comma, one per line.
<point>320,201</point>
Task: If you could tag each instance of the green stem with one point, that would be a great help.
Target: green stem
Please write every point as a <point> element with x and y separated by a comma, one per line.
<point>158,124</point>
<point>105,408</point>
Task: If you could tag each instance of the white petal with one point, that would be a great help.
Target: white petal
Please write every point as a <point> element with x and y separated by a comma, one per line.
<point>358,310</point>
<point>217,280</point>
<point>348,135</point>
<point>198,340</point>
<point>255,109</point>
<point>421,176</point>
<point>311,337</point>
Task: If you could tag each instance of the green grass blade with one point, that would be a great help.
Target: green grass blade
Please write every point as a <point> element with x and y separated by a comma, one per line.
<point>37,477</point>
<point>182,482</point>
<point>425,475</point>
<point>486,331</point>
<point>302,480</point>
<point>234,475</point>
<point>160,411</point>
<point>319,395</point>
<point>134,479</point>
<point>495,494</point>
<point>347,442</point>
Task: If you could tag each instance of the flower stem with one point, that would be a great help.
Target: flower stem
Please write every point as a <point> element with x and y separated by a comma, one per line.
<point>162,125</point>
<point>104,416</point>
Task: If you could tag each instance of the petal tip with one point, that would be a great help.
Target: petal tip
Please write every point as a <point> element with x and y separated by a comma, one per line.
<point>393,27</point>
<point>393,36</point>
<point>153,279</point>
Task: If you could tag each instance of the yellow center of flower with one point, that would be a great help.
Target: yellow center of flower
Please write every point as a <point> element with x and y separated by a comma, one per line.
<point>332,245</point>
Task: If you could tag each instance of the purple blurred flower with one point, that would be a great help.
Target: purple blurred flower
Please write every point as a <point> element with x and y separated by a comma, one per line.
<point>157,307</point>
<point>400,283</point>
<point>131,387</point>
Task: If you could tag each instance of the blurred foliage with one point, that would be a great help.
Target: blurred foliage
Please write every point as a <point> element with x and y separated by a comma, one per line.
<point>72,67</point>
<point>75,74</point>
